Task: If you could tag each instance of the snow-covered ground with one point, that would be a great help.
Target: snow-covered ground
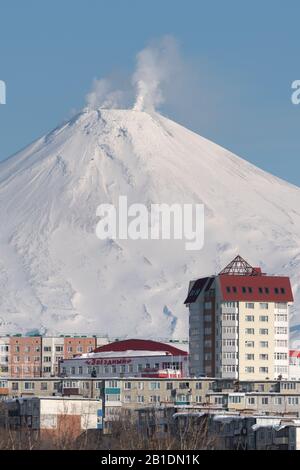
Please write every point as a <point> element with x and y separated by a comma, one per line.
<point>56,275</point>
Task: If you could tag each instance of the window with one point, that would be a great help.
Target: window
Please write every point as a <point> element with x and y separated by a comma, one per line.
<point>281,343</point>
<point>250,357</point>
<point>281,318</point>
<point>47,348</point>
<point>250,305</point>
<point>80,370</point>
<point>263,357</point>
<point>264,306</point>
<point>244,290</point>
<point>154,385</point>
<point>276,290</point>
<point>249,344</point>
<point>234,289</point>
<point>265,401</point>
<point>249,331</point>
<point>267,291</point>
<point>282,289</point>
<point>250,290</point>
<point>29,385</point>
<point>235,399</point>
<point>249,370</point>
<point>264,344</point>
<point>198,385</point>
<point>140,399</point>
<point>249,318</point>
<point>281,330</point>
<point>154,399</point>
<point>15,386</point>
<point>251,400</point>
<point>44,386</point>
<point>260,290</point>
<point>263,331</point>
<point>127,385</point>
<point>264,318</point>
<point>279,356</point>
<point>59,348</point>
<point>278,400</point>
<point>263,370</point>
<point>79,349</point>
<point>112,384</point>
<point>228,289</point>
<point>293,400</point>
<point>281,306</point>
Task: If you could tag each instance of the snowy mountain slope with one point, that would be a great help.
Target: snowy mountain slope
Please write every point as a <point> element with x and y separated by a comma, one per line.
<point>56,274</point>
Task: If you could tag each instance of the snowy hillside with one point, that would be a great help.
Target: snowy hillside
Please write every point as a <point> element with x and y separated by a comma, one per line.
<point>55,274</point>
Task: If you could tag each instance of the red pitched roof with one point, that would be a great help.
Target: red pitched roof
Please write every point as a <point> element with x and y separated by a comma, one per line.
<point>140,345</point>
<point>255,288</point>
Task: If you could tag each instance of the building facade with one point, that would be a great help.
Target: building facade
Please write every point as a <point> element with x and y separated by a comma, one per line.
<point>129,358</point>
<point>239,324</point>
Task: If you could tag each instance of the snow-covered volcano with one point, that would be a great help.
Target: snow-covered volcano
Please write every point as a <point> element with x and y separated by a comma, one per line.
<point>56,274</point>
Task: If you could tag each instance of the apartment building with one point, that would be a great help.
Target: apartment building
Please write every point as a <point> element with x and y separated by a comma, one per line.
<point>4,356</point>
<point>25,356</point>
<point>239,324</point>
<point>54,416</point>
<point>40,356</point>
<point>77,345</point>
<point>52,354</point>
<point>220,429</point>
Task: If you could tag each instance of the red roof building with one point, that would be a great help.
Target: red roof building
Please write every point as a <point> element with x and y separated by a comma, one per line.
<point>130,358</point>
<point>239,323</point>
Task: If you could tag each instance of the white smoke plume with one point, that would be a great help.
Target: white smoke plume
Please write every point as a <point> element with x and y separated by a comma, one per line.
<point>156,66</point>
<point>102,95</point>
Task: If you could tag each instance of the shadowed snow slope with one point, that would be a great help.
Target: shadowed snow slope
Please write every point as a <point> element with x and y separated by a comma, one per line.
<point>54,272</point>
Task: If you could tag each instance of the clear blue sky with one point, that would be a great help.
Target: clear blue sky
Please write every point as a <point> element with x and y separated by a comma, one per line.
<point>245,55</point>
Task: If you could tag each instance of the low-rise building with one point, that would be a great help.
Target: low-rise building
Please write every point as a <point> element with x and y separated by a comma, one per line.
<point>54,415</point>
<point>129,358</point>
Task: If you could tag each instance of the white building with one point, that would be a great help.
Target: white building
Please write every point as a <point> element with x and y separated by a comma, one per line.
<point>4,356</point>
<point>129,358</point>
<point>52,354</point>
<point>55,415</point>
<point>239,324</point>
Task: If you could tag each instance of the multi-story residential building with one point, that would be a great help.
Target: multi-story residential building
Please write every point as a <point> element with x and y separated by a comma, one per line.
<point>25,356</point>
<point>239,324</point>
<point>77,345</point>
<point>39,356</point>
<point>4,356</point>
<point>52,354</point>
<point>54,416</point>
